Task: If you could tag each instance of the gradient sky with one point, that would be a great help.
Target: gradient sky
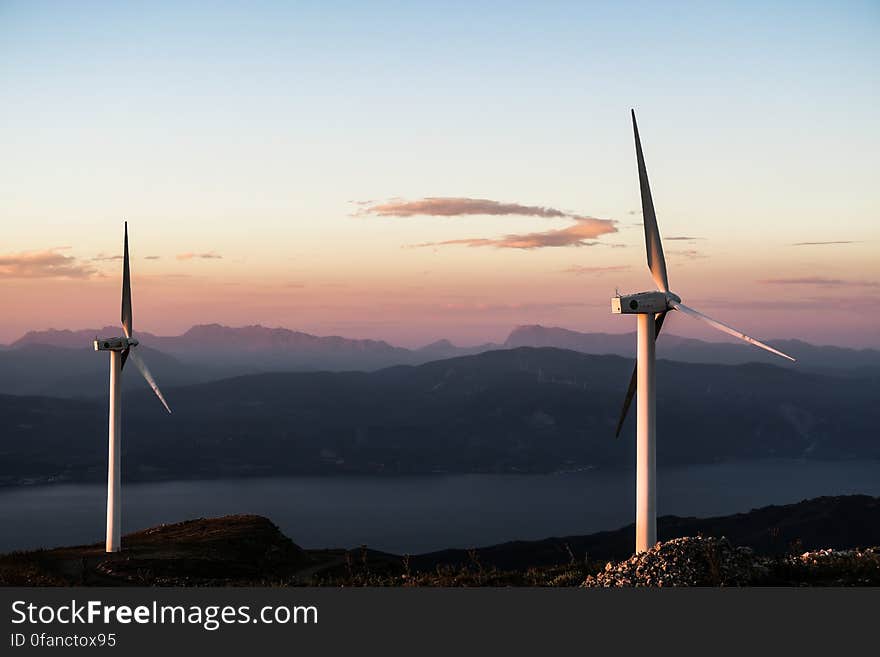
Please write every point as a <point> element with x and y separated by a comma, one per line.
<point>272,160</point>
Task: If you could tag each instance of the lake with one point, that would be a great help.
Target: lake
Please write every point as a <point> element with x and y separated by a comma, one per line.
<point>422,513</point>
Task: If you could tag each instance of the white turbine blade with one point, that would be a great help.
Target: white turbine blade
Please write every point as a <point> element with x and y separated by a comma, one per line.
<point>126,289</point>
<point>727,329</point>
<point>656,261</point>
<point>142,366</point>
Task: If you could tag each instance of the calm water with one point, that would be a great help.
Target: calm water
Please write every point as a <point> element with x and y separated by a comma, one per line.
<point>418,514</point>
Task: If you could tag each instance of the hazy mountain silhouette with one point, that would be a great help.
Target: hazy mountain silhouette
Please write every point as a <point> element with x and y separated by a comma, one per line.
<point>500,411</point>
<point>445,349</point>
<point>255,347</point>
<point>61,363</point>
<point>828,359</point>
<point>38,369</point>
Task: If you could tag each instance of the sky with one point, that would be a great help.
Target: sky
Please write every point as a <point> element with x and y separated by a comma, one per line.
<point>417,171</point>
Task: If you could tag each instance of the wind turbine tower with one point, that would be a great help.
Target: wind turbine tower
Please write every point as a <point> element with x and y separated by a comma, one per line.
<point>651,308</point>
<point>120,348</point>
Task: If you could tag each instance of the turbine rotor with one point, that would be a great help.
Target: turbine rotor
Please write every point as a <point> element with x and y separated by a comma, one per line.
<point>659,303</point>
<point>125,344</point>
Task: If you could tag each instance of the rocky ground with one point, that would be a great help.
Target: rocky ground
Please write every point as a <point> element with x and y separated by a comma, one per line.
<point>685,561</point>
<point>710,561</point>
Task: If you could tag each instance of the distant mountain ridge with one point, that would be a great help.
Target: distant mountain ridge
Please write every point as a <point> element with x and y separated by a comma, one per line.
<point>248,338</point>
<point>213,351</point>
<point>66,338</point>
<point>826,358</point>
<point>256,338</point>
<point>202,353</point>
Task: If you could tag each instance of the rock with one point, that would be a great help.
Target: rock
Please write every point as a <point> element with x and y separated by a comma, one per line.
<point>855,567</point>
<point>689,561</point>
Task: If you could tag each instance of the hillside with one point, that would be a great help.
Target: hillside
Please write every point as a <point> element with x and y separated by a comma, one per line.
<point>824,522</point>
<point>814,542</point>
<point>231,550</point>
<point>519,410</point>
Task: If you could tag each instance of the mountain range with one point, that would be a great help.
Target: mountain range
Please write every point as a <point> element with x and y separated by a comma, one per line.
<point>825,359</point>
<point>61,363</point>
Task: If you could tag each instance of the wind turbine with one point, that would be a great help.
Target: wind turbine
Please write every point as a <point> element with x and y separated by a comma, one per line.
<point>651,308</point>
<point>120,350</point>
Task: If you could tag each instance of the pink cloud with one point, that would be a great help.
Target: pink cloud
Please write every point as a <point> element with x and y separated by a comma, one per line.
<point>43,264</point>
<point>577,234</point>
<point>456,207</point>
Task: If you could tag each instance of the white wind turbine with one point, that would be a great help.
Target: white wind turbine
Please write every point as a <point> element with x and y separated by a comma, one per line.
<point>120,350</point>
<point>651,308</point>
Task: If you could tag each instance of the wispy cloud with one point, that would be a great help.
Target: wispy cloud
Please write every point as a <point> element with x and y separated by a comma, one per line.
<point>598,270</point>
<point>681,238</point>
<point>104,258</point>
<point>825,243</point>
<point>815,280</point>
<point>456,207</point>
<point>690,254</point>
<point>578,234</point>
<point>43,264</point>
<point>202,256</point>
<point>152,257</point>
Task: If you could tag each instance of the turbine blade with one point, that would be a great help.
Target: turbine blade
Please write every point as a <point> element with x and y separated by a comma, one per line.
<point>656,261</point>
<point>727,329</point>
<point>126,289</point>
<point>142,366</point>
<point>125,353</point>
<point>631,391</point>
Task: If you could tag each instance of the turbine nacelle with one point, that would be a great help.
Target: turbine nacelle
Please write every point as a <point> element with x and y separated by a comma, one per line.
<point>114,344</point>
<point>646,303</point>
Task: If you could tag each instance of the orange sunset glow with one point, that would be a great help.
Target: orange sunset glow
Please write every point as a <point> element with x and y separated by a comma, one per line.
<point>453,213</point>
